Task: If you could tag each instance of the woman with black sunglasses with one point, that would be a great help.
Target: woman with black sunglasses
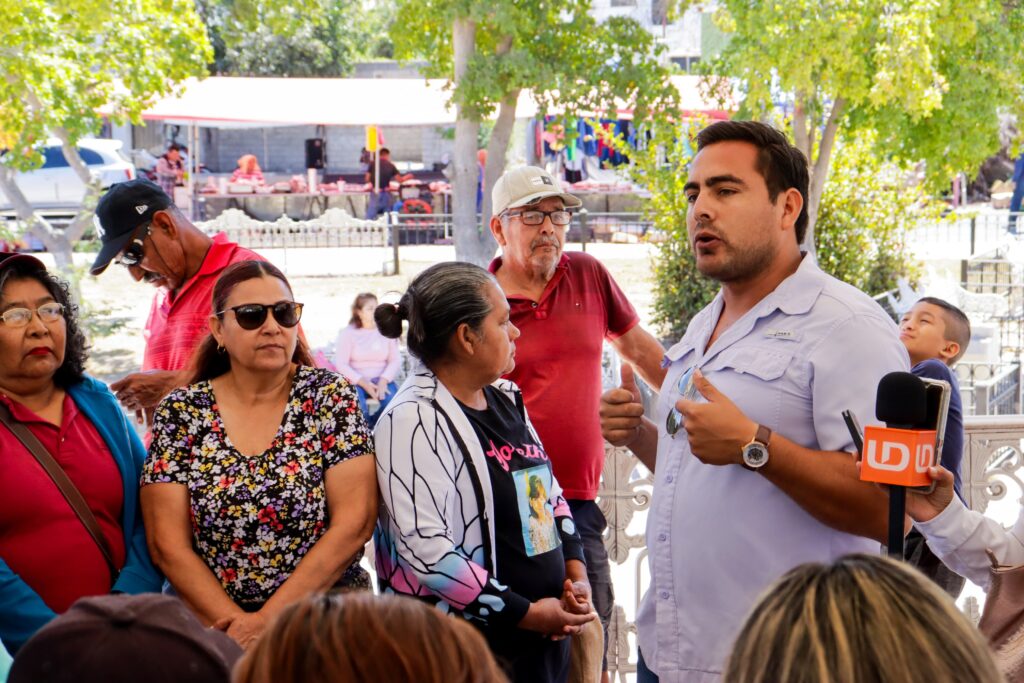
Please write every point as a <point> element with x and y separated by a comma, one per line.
<point>254,493</point>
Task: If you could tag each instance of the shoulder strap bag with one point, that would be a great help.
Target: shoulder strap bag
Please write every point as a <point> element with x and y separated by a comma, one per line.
<point>1002,621</point>
<point>64,485</point>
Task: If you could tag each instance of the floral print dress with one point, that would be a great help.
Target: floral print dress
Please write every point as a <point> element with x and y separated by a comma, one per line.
<point>255,517</point>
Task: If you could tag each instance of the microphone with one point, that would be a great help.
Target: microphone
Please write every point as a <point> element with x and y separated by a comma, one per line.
<point>901,401</point>
<point>900,453</point>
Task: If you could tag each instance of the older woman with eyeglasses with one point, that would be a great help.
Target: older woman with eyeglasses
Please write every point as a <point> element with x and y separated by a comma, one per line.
<point>260,485</point>
<point>70,524</point>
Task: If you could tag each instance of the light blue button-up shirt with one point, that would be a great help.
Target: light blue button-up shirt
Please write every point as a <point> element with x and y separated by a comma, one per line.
<point>718,536</point>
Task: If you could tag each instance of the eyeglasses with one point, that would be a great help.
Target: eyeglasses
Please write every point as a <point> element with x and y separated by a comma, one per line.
<point>687,389</point>
<point>20,317</point>
<point>559,217</point>
<point>252,316</point>
<point>133,253</point>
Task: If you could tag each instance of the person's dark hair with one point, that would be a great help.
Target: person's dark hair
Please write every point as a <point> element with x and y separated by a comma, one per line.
<point>174,146</point>
<point>780,164</point>
<point>208,361</point>
<point>72,370</point>
<point>384,151</point>
<point>958,325</point>
<point>861,618</point>
<point>361,300</point>
<point>363,637</point>
<point>439,299</point>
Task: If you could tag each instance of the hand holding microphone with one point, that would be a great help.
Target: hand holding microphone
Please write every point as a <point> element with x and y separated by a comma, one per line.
<point>924,507</point>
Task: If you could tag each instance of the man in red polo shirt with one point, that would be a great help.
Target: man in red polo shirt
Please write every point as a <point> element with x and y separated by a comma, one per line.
<point>565,305</point>
<point>139,224</point>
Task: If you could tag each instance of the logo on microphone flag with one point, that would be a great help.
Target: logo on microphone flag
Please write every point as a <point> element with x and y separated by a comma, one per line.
<point>898,456</point>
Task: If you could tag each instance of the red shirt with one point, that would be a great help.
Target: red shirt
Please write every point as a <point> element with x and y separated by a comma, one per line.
<point>177,323</point>
<point>41,538</point>
<point>558,364</point>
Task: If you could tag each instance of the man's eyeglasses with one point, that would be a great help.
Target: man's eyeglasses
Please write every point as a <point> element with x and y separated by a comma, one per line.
<point>133,253</point>
<point>252,316</point>
<point>559,217</point>
<point>20,317</point>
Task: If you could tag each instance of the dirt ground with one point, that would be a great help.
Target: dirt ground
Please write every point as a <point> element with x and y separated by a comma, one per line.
<point>114,298</point>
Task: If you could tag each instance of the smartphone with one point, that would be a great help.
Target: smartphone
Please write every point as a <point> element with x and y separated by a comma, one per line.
<point>856,433</point>
<point>938,392</point>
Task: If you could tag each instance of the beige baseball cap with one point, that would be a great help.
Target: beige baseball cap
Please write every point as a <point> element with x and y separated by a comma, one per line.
<point>526,185</point>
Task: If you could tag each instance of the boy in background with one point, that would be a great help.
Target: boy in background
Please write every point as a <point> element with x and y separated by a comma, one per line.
<point>936,334</point>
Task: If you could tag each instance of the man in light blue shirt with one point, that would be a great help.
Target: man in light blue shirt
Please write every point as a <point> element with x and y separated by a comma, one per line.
<point>753,467</point>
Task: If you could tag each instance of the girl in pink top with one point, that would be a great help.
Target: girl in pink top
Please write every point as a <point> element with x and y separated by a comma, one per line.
<point>366,358</point>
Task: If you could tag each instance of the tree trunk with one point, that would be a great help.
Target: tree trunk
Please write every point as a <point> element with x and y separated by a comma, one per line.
<point>55,241</point>
<point>497,153</point>
<point>819,169</point>
<point>93,188</point>
<point>464,179</point>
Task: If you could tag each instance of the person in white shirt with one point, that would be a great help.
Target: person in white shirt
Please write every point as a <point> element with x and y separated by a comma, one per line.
<point>962,538</point>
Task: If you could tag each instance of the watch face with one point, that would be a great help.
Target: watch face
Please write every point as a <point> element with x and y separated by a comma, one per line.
<point>755,455</point>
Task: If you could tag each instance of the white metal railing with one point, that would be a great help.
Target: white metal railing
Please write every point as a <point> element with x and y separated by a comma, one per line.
<point>991,470</point>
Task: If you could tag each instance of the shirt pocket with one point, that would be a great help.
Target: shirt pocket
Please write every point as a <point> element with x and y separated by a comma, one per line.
<point>760,363</point>
<point>762,397</point>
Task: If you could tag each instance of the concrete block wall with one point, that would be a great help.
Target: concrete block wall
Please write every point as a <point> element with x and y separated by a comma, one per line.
<point>282,149</point>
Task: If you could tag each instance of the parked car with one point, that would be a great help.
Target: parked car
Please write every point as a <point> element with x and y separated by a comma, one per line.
<point>56,186</point>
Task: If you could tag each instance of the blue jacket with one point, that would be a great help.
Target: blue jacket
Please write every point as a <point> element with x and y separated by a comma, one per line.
<point>22,611</point>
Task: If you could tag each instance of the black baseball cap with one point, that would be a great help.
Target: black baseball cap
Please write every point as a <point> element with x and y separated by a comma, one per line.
<point>120,211</point>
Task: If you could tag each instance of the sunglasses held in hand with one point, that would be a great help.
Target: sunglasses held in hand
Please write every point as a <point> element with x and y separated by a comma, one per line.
<point>687,389</point>
<point>252,316</point>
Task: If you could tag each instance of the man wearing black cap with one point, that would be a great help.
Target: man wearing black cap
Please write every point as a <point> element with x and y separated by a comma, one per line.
<point>141,229</point>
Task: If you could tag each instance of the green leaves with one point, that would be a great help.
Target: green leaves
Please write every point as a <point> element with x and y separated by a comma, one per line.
<point>869,205</point>
<point>63,62</point>
<point>571,62</point>
<point>311,38</point>
<point>930,77</point>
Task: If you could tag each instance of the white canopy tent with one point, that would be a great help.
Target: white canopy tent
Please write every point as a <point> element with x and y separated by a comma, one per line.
<point>224,102</point>
<point>229,102</point>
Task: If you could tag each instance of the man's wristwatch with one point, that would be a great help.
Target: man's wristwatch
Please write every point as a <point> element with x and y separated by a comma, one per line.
<point>755,453</point>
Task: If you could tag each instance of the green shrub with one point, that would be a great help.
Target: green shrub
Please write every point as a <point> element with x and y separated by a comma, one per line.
<point>867,209</point>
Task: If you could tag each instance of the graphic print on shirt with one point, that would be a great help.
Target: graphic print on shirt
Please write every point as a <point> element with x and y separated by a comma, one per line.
<point>532,486</point>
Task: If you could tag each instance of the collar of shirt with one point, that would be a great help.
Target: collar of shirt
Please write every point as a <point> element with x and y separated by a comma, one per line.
<point>794,296</point>
<point>560,270</point>
<point>25,415</point>
<point>217,258</point>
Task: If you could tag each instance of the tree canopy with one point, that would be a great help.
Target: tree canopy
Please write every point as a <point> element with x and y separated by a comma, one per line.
<point>929,78</point>
<point>308,38</point>
<point>492,51</point>
<point>66,64</point>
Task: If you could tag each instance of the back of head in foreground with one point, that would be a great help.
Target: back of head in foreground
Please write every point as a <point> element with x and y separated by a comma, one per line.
<point>353,637</point>
<point>862,619</point>
<point>145,638</point>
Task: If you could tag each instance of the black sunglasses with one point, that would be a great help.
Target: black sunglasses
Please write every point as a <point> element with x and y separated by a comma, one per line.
<point>252,316</point>
<point>133,253</point>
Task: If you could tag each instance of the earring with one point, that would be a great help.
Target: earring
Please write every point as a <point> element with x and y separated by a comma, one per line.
<point>220,348</point>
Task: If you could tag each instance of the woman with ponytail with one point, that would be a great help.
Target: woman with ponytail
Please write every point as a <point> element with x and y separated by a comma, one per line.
<point>255,492</point>
<point>457,464</point>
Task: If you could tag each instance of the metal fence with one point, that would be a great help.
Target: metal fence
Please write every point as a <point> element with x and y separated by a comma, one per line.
<point>976,233</point>
<point>438,228</point>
